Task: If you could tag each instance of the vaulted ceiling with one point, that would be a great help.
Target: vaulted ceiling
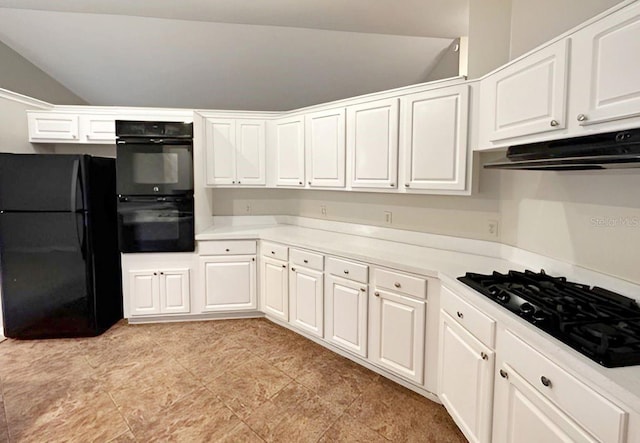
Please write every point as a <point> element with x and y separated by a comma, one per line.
<point>231,54</point>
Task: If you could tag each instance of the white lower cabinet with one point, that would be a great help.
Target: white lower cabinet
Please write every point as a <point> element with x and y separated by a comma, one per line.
<point>465,379</point>
<point>159,291</point>
<point>229,283</point>
<point>275,288</point>
<point>306,309</point>
<point>397,328</point>
<point>346,304</point>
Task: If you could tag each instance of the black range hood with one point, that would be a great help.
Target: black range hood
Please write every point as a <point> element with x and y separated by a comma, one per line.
<point>612,150</point>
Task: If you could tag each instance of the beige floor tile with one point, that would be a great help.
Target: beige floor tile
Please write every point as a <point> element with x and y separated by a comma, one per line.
<point>199,417</point>
<point>248,386</point>
<point>295,414</point>
<point>241,434</point>
<point>348,429</point>
<point>208,360</point>
<point>127,437</point>
<point>401,415</point>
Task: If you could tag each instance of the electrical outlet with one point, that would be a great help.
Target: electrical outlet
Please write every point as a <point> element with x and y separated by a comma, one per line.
<point>492,228</point>
<point>247,209</point>
<point>388,217</point>
<point>323,210</point>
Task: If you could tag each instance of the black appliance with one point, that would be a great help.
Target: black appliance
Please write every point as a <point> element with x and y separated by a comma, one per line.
<point>155,186</point>
<point>59,260</point>
<point>619,149</point>
<point>154,158</point>
<point>156,224</point>
<point>603,325</point>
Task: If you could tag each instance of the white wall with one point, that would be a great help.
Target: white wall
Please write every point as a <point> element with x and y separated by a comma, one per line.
<point>14,134</point>
<point>535,22</point>
<point>20,75</point>
<point>489,29</point>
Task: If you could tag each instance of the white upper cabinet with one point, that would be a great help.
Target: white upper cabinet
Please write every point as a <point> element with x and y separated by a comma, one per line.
<point>289,151</point>
<point>235,152</point>
<point>98,129</point>
<point>527,97</point>
<point>434,140</point>
<point>45,126</point>
<point>325,148</point>
<point>372,141</point>
<point>605,81</point>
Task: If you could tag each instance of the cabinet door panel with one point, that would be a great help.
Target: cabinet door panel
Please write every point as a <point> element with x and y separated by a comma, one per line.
<point>606,74</point>
<point>289,140</point>
<point>529,96</point>
<point>220,151</point>
<point>229,283</point>
<point>98,129</point>
<point>174,291</point>
<point>522,415</point>
<point>305,300</point>
<point>346,314</point>
<point>372,139</point>
<point>435,139</point>
<point>145,292</point>
<point>275,288</point>
<point>398,334</point>
<point>51,126</point>
<point>465,379</point>
<point>325,143</point>
<point>250,152</point>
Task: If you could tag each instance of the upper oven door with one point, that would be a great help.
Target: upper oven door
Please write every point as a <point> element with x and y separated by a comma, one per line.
<point>154,167</point>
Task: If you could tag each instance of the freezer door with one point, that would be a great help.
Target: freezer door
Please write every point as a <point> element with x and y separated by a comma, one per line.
<point>41,182</point>
<point>46,286</point>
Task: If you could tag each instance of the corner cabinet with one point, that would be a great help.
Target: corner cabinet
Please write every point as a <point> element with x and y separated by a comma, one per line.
<point>372,140</point>
<point>434,145</point>
<point>235,151</point>
<point>227,279</point>
<point>289,151</point>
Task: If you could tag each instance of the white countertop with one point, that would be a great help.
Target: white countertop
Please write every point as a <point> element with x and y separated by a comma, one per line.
<point>446,265</point>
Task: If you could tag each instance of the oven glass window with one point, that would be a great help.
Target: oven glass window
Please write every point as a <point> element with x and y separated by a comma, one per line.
<point>155,168</point>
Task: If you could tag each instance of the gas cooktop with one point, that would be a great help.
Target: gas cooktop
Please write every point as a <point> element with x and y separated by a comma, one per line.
<point>603,325</point>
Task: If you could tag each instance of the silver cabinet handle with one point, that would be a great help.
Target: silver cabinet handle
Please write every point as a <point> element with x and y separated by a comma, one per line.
<point>155,273</point>
<point>397,285</point>
<point>581,117</point>
<point>306,261</point>
<point>284,266</point>
<point>299,183</point>
<point>545,381</point>
<point>293,269</point>
<point>484,355</point>
<point>363,289</point>
<point>346,271</point>
<point>162,273</point>
<point>309,183</point>
<point>239,182</point>
<point>392,184</point>
<point>227,250</point>
<point>503,374</point>
<point>253,259</point>
<point>377,294</point>
<point>233,182</point>
<point>273,252</point>
<point>406,185</point>
<point>554,123</point>
<point>460,314</point>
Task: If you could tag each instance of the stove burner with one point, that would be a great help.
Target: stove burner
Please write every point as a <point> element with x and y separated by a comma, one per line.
<point>603,325</point>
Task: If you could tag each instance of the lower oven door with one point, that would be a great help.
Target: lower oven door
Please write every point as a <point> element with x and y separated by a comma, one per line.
<point>156,224</point>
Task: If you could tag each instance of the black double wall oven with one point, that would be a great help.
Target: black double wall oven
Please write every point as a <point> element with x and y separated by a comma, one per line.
<point>155,186</point>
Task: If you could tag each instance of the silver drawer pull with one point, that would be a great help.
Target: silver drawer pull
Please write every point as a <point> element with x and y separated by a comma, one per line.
<point>484,355</point>
<point>554,123</point>
<point>377,294</point>
<point>346,271</point>
<point>227,250</point>
<point>284,266</point>
<point>545,381</point>
<point>397,285</point>
<point>363,289</point>
<point>293,269</point>
<point>273,252</point>
<point>460,314</point>
<point>306,261</point>
<point>503,374</point>
<point>581,117</point>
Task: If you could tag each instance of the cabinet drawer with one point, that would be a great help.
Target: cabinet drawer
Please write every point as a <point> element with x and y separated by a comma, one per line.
<point>227,247</point>
<point>474,321</point>
<point>405,284</point>
<point>603,419</point>
<point>274,250</point>
<point>307,259</point>
<point>348,270</point>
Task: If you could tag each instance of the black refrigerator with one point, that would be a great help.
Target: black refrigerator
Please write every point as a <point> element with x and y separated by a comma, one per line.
<point>59,260</point>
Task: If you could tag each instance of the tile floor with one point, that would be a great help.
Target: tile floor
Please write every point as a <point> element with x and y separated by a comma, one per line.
<point>226,381</point>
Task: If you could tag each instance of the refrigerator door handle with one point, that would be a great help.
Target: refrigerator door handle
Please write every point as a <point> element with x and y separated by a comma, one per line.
<point>74,184</point>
